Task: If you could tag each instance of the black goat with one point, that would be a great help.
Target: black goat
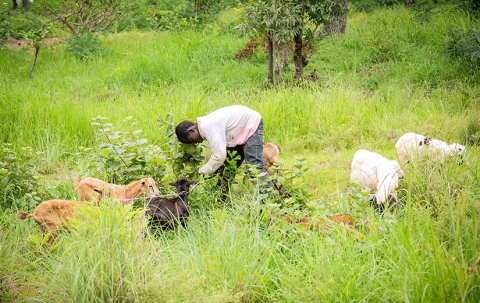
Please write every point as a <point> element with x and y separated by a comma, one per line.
<point>168,213</point>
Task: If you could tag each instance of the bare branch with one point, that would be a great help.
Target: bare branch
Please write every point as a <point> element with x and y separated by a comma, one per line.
<point>84,15</point>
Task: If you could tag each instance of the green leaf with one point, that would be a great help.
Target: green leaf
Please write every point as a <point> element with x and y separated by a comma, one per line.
<point>114,135</point>
<point>142,141</point>
<point>170,118</point>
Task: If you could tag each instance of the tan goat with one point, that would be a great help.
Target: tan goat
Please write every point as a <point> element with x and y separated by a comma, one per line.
<point>270,155</point>
<point>52,215</point>
<point>89,189</point>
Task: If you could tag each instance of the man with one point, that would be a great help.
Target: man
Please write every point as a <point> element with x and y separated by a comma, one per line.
<point>229,129</point>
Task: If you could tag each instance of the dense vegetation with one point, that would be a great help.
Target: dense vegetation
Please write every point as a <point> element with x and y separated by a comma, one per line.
<point>395,70</point>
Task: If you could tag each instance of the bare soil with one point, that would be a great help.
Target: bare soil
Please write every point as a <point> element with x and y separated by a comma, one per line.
<point>26,43</point>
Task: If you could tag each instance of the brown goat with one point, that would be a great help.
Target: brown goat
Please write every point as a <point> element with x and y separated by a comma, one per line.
<point>52,215</point>
<point>92,188</point>
<point>270,155</point>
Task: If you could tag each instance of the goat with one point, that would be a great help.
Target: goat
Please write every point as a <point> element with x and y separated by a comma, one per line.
<point>270,155</point>
<point>93,189</point>
<point>52,215</point>
<point>379,174</point>
<point>168,213</point>
<point>411,145</point>
<point>408,146</point>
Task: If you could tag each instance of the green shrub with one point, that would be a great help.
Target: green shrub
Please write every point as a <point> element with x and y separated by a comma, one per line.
<point>19,23</point>
<point>471,6</point>
<point>464,46</point>
<point>139,18</point>
<point>16,24</point>
<point>4,23</point>
<point>20,178</point>
<point>184,158</point>
<point>123,156</point>
<point>84,47</point>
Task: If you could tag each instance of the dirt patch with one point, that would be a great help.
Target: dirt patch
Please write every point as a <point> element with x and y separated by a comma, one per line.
<point>246,53</point>
<point>26,43</point>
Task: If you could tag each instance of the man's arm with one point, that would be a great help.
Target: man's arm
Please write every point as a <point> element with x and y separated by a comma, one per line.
<point>218,146</point>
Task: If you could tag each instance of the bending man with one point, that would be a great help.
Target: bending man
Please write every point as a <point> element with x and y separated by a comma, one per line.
<point>232,128</point>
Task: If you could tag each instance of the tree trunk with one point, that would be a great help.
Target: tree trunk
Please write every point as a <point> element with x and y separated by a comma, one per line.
<point>270,60</point>
<point>298,58</point>
<point>37,49</point>
<point>276,59</point>
<point>285,55</point>
<point>15,5</point>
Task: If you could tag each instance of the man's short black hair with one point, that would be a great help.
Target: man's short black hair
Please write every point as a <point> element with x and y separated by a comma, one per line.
<point>182,130</point>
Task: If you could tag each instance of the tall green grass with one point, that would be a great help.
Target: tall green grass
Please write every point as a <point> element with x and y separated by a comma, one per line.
<point>386,76</point>
<point>234,256</point>
<point>190,74</point>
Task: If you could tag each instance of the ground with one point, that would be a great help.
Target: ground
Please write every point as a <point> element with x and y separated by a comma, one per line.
<point>14,43</point>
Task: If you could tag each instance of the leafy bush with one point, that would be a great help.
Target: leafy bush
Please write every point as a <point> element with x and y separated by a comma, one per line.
<point>19,23</point>
<point>4,23</point>
<point>19,177</point>
<point>181,17</point>
<point>184,158</point>
<point>122,156</point>
<point>84,47</point>
<point>464,45</point>
<point>471,6</point>
<point>16,23</point>
<point>139,17</point>
<point>291,179</point>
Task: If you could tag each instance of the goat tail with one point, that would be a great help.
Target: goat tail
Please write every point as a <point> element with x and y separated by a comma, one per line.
<point>23,215</point>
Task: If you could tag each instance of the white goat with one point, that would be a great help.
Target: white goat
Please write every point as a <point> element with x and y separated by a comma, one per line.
<point>376,172</point>
<point>408,146</point>
<point>411,145</point>
<point>439,150</point>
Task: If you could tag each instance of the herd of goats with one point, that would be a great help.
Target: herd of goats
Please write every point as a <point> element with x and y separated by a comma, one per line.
<point>369,169</point>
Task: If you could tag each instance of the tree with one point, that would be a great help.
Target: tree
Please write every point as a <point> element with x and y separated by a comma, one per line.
<point>277,20</point>
<point>317,13</point>
<point>84,16</point>
<point>282,21</point>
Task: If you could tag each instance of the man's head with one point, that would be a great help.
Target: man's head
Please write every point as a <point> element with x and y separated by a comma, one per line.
<point>187,132</point>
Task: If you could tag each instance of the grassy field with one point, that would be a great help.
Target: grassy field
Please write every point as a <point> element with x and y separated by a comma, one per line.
<point>386,76</point>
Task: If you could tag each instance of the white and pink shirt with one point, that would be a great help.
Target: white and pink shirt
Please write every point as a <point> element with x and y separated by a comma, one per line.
<point>226,127</point>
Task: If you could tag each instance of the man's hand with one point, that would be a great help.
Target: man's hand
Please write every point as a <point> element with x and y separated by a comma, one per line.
<point>204,170</point>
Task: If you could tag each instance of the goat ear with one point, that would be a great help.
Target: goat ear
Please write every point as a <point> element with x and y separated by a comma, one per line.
<point>172,184</point>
